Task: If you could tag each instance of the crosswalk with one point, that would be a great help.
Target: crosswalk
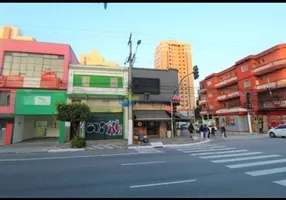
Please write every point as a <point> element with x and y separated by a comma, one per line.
<point>148,150</point>
<point>104,146</point>
<point>234,158</point>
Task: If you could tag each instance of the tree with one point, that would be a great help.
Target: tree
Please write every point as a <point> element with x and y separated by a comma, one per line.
<point>197,113</point>
<point>75,113</point>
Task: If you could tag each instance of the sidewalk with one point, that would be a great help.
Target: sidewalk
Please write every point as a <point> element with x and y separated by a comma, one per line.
<point>239,136</point>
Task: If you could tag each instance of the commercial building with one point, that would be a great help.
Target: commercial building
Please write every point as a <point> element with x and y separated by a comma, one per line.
<point>95,59</point>
<point>103,89</point>
<point>153,91</point>
<point>263,76</point>
<point>177,55</point>
<point>33,75</point>
<point>14,33</point>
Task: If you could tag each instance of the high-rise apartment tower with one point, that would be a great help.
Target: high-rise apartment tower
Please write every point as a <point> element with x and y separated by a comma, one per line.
<point>177,55</point>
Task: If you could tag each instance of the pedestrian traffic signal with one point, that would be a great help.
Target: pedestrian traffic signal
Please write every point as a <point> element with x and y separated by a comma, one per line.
<point>196,72</point>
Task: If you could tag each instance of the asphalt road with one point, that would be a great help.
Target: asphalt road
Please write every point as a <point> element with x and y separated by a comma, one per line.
<point>220,169</point>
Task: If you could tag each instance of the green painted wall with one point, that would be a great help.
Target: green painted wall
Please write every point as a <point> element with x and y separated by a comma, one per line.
<point>38,102</point>
<point>97,81</point>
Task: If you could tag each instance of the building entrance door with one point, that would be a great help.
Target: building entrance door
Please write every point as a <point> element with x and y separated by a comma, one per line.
<point>2,131</point>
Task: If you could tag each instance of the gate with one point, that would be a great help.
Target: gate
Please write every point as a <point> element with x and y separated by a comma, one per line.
<point>102,126</point>
<point>2,131</point>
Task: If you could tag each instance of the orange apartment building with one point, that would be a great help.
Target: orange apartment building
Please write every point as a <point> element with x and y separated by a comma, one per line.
<point>263,76</point>
<point>177,55</point>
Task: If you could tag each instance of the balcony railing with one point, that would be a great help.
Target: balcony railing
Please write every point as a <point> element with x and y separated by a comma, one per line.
<point>278,64</point>
<point>271,85</point>
<point>231,110</point>
<point>228,96</point>
<point>226,82</point>
<point>202,91</point>
<point>204,112</point>
<point>204,101</point>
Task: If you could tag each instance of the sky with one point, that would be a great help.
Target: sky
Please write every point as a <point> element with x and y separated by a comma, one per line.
<point>219,33</point>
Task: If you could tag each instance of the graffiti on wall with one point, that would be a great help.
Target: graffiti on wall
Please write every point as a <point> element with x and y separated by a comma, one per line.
<point>111,127</point>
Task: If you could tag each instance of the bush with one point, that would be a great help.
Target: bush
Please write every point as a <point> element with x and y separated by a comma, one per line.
<point>78,142</point>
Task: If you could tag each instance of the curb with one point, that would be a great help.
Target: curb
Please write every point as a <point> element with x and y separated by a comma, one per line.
<point>170,145</point>
<point>64,150</point>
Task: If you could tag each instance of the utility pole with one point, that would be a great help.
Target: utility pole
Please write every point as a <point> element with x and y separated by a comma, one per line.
<point>131,60</point>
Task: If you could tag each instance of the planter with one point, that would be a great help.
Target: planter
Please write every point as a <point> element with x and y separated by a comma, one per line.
<point>169,134</point>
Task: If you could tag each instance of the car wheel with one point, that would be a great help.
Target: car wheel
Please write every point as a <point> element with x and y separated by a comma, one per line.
<point>272,135</point>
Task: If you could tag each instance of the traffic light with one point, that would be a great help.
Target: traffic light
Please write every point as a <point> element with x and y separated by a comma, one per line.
<point>247,97</point>
<point>196,72</point>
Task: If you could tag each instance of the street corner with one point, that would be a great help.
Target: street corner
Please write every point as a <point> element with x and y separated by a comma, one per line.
<point>196,142</point>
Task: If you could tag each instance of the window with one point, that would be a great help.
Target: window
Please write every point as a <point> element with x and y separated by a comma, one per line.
<point>244,68</point>
<point>85,81</point>
<point>210,94</point>
<point>246,83</point>
<point>113,82</point>
<point>32,65</point>
<point>209,83</point>
<point>211,107</point>
<point>4,98</point>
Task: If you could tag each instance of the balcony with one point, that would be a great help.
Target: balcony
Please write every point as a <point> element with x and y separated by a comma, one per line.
<point>203,91</point>
<point>271,85</point>
<point>272,66</point>
<point>227,82</point>
<point>228,96</point>
<point>204,112</point>
<point>204,101</point>
<point>232,111</point>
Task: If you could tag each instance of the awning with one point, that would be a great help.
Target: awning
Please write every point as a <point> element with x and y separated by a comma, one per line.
<point>6,116</point>
<point>148,115</point>
<point>180,117</point>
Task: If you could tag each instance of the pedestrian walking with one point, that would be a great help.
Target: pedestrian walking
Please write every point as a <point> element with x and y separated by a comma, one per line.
<point>223,131</point>
<point>212,132</point>
<point>260,127</point>
<point>201,130</point>
<point>205,130</point>
<point>191,129</point>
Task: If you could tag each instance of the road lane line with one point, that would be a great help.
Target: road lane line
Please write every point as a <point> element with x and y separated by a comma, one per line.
<point>267,171</point>
<point>256,163</point>
<point>244,158</point>
<point>210,150</point>
<point>231,155</point>
<point>281,182</point>
<point>202,148</point>
<point>224,152</point>
<point>97,147</point>
<point>143,163</point>
<point>164,183</point>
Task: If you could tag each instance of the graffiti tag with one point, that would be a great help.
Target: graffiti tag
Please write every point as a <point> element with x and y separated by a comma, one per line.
<point>112,127</point>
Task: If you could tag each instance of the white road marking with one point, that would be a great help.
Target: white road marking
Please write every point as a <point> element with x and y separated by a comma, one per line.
<point>106,146</point>
<point>72,157</point>
<point>256,163</point>
<point>231,155</point>
<point>244,158</point>
<point>224,152</point>
<point>211,150</point>
<point>143,163</point>
<point>202,148</point>
<point>267,171</point>
<point>197,147</point>
<point>97,147</point>
<point>281,182</point>
<point>116,146</point>
<point>164,183</point>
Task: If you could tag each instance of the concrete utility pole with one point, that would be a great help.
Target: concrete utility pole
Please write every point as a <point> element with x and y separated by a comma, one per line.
<point>131,60</point>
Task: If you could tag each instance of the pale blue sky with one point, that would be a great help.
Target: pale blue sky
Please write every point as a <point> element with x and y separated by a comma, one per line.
<point>220,34</point>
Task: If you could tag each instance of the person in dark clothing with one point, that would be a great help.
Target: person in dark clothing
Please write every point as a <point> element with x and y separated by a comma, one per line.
<point>201,130</point>
<point>191,129</point>
<point>205,130</point>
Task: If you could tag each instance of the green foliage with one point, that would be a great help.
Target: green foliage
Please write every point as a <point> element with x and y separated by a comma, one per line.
<point>72,112</point>
<point>197,113</point>
<point>78,142</point>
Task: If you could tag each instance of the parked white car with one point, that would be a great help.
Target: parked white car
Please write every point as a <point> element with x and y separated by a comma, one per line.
<point>278,131</point>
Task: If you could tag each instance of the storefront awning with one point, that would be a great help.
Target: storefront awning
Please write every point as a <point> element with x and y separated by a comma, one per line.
<point>148,115</point>
<point>178,117</point>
